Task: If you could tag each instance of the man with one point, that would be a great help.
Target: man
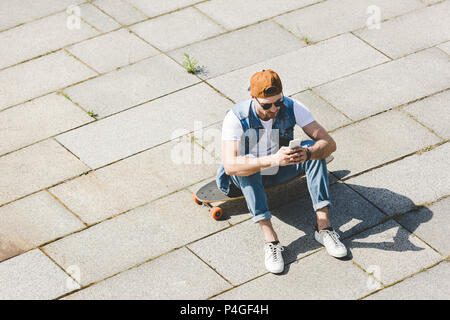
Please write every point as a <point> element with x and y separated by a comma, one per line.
<point>253,160</point>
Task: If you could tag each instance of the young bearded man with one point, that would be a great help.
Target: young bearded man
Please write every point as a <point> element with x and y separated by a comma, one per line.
<point>255,155</point>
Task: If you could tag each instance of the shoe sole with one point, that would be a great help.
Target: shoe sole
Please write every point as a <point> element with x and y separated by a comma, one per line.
<point>275,272</point>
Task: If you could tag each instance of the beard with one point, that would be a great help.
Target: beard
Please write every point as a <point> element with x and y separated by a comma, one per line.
<point>271,115</point>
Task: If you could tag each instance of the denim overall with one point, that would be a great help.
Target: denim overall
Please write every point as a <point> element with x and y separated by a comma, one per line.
<point>252,187</point>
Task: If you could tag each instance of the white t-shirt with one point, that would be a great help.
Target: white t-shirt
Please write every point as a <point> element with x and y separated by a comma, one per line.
<point>232,129</point>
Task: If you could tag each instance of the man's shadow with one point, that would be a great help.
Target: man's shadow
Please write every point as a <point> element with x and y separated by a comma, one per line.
<point>352,216</point>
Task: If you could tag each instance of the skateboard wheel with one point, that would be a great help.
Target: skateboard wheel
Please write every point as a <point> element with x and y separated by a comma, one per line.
<point>194,196</point>
<point>216,213</point>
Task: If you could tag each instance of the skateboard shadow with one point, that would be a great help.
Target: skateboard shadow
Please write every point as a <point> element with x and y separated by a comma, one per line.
<point>354,217</point>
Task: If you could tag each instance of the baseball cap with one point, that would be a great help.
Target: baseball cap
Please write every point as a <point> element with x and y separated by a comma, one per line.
<point>265,83</point>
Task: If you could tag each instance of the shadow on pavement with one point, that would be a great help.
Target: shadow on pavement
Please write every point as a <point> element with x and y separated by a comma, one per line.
<point>351,215</point>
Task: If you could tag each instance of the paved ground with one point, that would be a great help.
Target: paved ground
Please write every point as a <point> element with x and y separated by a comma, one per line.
<point>104,136</point>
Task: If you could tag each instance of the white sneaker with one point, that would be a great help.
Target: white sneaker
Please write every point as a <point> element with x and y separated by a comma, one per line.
<point>273,258</point>
<point>330,239</point>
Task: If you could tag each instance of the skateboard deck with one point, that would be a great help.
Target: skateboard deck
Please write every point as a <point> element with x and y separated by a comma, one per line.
<point>210,193</point>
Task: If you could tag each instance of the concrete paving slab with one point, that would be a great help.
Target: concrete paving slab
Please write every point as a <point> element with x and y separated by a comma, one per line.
<point>39,37</point>
<point>433,112</point>
<point>329,18</point>
<point>121,11</point>
<point>176,275</point>
<point>145,126</point>
<point>134,237</point>
<point>38,119</point>
<point>32,221</point>
<point>35,167</point>
<point>233,50</point>
<point>31,276</point>
<point>315,277</point>
<point>323,112</point>
<point>233,14</point>
<point>245,238</point>
<point>136,180</point>
<point>307,67</point>
<point>112,50</point>
<point>97,18</point>
<point>127,87</point>
<point>390,252</point>
<point>140,192</point>
<point>40,76</point>
<point>411,32</point>
<point>413,178</point>
<point>381,138</point>
<point>433,284</point>
<point>430,224</point>
<point>177,29</point>
<point>389,85</point>
<point>15,12</point>
<point>157,7</point>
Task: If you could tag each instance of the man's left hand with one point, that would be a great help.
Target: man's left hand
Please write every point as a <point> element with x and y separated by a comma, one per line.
<point>298,155</point>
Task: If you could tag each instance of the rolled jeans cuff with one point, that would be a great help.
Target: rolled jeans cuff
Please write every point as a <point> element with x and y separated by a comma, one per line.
<point>321,204</point>
<point>262,216</point>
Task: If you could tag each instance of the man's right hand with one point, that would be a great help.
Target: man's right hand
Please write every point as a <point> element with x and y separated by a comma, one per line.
<point>285,156</point>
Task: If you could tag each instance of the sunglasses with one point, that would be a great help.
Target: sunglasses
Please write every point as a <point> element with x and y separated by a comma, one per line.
<point>267,106</point>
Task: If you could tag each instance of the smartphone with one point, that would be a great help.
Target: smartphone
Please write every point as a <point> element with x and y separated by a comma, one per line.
<point>294,143</point>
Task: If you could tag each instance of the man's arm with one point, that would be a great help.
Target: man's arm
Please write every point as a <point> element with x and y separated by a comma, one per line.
<point>324,146</point>
<point>246,166</point>
<point>239,165</point>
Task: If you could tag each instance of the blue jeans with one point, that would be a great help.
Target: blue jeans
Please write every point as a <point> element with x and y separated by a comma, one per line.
<point>253,186</point>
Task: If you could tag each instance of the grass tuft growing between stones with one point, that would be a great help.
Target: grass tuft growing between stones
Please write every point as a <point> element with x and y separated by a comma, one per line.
<point>92,113</point>
<point>190,64</point>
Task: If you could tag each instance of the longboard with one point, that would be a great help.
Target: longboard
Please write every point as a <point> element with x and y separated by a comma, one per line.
<point>209,193</point>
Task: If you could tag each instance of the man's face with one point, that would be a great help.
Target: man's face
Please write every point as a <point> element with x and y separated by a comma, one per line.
<point>270,113</point>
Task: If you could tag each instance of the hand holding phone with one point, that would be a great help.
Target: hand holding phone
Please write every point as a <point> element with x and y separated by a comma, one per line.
<point>295,144</point>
